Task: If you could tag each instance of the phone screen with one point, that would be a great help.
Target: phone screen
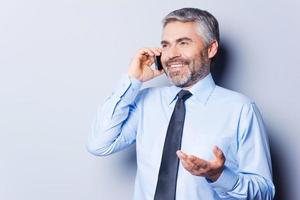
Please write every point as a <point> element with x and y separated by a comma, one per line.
<point>158,64</point>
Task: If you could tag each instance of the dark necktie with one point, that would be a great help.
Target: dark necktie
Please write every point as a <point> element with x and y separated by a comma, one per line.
<point>167,177</point>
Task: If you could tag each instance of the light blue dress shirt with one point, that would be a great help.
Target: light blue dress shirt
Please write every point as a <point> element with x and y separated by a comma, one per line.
<point>214,116</point>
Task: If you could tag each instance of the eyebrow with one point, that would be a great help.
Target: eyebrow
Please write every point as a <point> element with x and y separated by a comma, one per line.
<point>177,41</point>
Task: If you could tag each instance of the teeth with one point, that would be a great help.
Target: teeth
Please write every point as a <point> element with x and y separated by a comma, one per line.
<point>176,65</point>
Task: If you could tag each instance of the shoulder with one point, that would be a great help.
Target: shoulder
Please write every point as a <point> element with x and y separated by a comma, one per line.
<point>152,93</point>
<point>230,97</point>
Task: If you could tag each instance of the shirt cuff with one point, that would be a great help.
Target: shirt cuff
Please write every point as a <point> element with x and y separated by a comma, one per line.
<point>226,182</point>
<point>128,89</point>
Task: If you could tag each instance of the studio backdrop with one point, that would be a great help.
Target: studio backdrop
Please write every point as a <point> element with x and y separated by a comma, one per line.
<point>60,59</point>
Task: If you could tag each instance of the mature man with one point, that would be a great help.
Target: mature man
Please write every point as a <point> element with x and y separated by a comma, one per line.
<point>194,140</point>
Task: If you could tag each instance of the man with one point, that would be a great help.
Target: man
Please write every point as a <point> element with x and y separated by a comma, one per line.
<point>217,134</point>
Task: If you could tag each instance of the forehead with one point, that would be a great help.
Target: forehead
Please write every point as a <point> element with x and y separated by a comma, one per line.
<point>175,30</point>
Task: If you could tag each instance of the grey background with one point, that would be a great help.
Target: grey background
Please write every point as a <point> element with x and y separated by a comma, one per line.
<point>59,59</point>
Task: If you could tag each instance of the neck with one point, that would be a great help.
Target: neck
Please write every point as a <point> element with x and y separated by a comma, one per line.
<point>193,82</point>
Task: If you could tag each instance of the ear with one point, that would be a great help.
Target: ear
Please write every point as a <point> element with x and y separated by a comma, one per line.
<point>213,49</point>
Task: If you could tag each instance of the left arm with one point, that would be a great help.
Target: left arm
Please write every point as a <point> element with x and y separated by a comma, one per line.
<point>254,178</point>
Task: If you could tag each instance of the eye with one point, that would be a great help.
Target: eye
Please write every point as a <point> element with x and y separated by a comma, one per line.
<point>164,46</point>
<point>183,43</point>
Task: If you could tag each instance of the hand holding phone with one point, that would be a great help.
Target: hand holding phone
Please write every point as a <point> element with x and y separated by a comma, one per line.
<point>140,66</point>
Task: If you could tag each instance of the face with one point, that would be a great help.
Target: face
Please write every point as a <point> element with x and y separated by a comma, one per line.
<point>184,54</point>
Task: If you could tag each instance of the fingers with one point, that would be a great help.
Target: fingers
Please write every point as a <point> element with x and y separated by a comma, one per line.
<point>193,164</point>
<point>140,66</point>
<point>199,167</point>
<point>150,51</point>
<point>185,161</point>
<point>146,56</point>
<point>157,51</point>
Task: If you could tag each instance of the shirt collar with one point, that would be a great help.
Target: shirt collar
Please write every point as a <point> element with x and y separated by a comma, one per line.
<point>201,90</point>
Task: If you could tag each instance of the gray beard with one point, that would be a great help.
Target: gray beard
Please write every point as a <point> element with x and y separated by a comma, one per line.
<point>189,79</point>
<point>192,76</point>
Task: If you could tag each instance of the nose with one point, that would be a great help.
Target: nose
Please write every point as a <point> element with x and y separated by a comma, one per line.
<point>173,52</point>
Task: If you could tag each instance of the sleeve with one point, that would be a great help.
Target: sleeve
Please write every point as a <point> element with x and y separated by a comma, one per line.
<point>115,125</point>
<point>253,180</point>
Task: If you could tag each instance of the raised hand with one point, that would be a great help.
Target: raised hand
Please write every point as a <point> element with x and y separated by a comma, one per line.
<point>140,67</point>
<point>209,169</point>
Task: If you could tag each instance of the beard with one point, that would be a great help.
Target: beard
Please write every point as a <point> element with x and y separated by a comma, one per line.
<point>191,72</point>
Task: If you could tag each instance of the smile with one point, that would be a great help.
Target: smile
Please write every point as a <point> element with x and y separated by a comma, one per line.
<point>176,65</point>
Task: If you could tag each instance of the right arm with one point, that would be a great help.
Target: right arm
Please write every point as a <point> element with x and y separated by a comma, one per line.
<point>115,125</point>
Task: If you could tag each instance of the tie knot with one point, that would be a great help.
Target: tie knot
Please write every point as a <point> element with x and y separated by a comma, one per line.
<point>184,95</point>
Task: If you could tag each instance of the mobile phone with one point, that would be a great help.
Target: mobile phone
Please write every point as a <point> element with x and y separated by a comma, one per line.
<point>158,65</point>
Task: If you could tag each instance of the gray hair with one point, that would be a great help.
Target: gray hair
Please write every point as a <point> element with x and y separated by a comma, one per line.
<point>207,23</point>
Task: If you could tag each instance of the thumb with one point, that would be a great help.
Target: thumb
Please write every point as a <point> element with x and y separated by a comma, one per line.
<point>218,153</point>
<point>157,72</point>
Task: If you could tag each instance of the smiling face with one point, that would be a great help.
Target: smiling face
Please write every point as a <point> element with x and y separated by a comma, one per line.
<point>185,57</point>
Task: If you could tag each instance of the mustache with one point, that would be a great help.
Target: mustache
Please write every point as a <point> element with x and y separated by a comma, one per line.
<point>179,60</point>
